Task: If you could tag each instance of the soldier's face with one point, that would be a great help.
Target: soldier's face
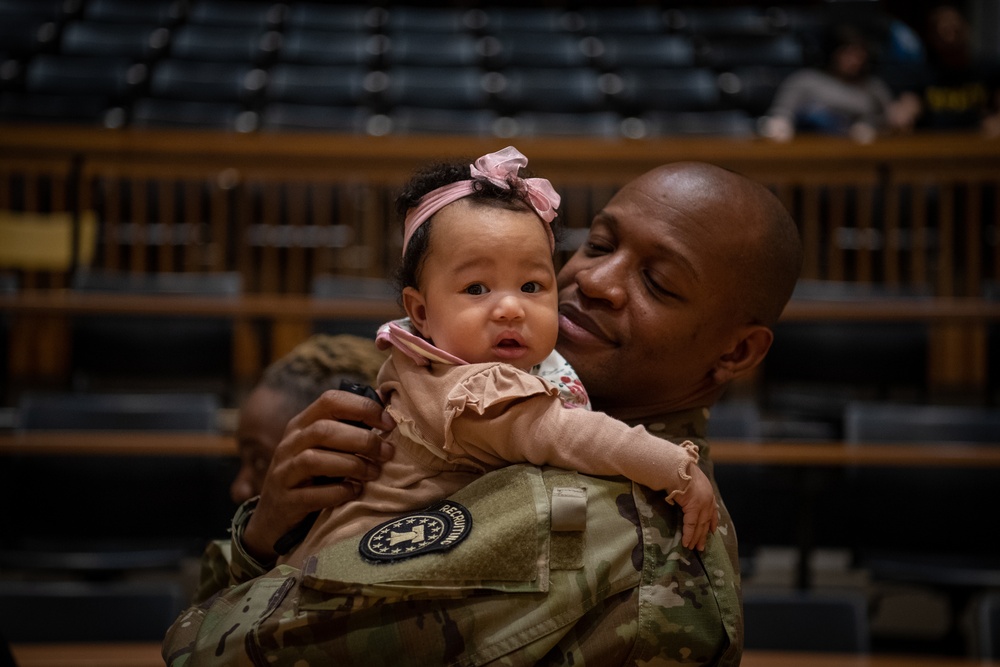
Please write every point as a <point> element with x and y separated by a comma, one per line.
<point>262,422</point>
<point>643,302</point>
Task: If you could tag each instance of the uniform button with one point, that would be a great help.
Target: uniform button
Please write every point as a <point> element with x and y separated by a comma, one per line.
<point>657,426</point>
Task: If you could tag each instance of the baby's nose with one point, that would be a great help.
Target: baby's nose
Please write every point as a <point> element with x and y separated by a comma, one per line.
<point>509,307</point>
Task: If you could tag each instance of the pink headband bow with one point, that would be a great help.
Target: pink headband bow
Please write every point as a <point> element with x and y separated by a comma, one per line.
<point>497,168</point>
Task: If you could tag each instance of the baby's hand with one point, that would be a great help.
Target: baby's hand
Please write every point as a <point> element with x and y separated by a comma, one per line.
<point>701,516</point>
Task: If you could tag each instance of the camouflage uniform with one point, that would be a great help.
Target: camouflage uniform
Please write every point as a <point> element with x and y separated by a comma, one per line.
<point>616,589</point>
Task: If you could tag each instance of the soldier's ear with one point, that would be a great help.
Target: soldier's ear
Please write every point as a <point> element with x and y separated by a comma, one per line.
<point>416,308</point>
<point>748,350</point>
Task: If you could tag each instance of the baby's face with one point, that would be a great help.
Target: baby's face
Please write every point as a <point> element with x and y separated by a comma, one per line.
<point>487,286</point>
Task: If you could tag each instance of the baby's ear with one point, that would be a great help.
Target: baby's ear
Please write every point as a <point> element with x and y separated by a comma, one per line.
<point>416,310</point>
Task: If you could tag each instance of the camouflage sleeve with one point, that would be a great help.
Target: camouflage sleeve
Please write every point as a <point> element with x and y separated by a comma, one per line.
<point>225,563</point>
<point>573,593</point>
<point>242,566</point>
<point>214,575</point>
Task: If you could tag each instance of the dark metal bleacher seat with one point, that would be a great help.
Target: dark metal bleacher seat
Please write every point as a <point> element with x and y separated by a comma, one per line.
<point>991,290</point>
<point>814,369</point>
<point>624,20</point>
<point>154,352</point>
<point>115,77</point>
<point>811,21</point>
<point>922,503</point>
<point>75,611</point>
<point>433,49</point>
<point>214,284</point>
<point>45,108</point>
<point>683,89</point>
<point>150,112</point>
<point>74,88</point>
<point>402,18</point>
<point>316,84</point>
<point>26,28</point>
<point>158,12</point>
<point>9,284</point>
<point>806,621</point>
<point>256,13</point>
<point>987,623</point>
<point>278,116</point>
<point>735,420</point>
<point>719,123</point>
<point>544,20</point>
<point>92,38</point>
<point>118,411</point>
<point>128,513</point>
<point>741,419</point>
<point>329,286</point>
<point>307,45</point>
<point>415,120</point>
<point>646,51</point>
<point>720,21</point>
<point>6,655</point>
<point>214,43</point>
<point>436,87</point>
<point>329,17</point>
<point>894,422</point>
<point>206,81</point>
<point>551,89</point>
<point>751,88</point>
<point>728,52</point>
<point>913,496</point>
<point>528,50</point>
<point>606,124</point>
<point>903,77</point>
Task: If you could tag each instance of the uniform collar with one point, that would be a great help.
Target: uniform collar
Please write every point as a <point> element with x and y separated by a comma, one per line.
<point>685,424</point>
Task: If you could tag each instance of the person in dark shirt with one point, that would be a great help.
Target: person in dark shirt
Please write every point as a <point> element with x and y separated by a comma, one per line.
<point>959,91</point>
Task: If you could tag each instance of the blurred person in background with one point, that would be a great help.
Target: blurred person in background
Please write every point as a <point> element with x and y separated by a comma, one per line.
<point>958,91</point>
<point>843,98</point>
<point>284,390</point>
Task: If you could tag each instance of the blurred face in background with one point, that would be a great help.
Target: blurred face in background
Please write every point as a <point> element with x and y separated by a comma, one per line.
<point>948,36</point>
<point>261,425</point>
<point>850,61</point>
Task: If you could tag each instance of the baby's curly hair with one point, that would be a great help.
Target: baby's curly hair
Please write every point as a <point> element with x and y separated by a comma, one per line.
<point>434,176</point>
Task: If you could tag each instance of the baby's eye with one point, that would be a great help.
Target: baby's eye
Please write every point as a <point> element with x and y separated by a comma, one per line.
<point>476,289</point>
<point>531,287</point>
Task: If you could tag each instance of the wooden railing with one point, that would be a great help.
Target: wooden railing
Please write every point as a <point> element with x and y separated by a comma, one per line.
<point>266,326</point>
<point>920,210</point>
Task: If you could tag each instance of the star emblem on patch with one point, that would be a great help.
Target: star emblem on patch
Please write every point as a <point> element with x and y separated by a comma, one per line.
<point>437,528</point>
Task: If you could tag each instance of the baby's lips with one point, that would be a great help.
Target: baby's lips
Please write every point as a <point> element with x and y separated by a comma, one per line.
<point>509,339</point>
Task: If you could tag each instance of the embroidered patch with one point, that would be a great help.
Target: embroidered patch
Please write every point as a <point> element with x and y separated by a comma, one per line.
<point>437,528</point>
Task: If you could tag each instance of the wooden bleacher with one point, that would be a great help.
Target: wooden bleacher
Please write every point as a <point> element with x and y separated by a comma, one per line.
<point>917,211</point>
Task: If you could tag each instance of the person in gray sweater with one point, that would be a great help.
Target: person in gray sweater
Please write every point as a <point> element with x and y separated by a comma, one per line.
<point>843,98</point>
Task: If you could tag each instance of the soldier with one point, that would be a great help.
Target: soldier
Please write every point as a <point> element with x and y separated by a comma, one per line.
<point>286,387</point>
<point>671,298</point>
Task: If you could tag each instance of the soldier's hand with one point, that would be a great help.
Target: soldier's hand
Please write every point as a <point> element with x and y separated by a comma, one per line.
<point>701,516</point>
<point>317,444</point>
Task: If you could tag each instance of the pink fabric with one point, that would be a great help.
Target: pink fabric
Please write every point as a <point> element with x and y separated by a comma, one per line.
<point>497,168</point>
<point>421,352</point>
